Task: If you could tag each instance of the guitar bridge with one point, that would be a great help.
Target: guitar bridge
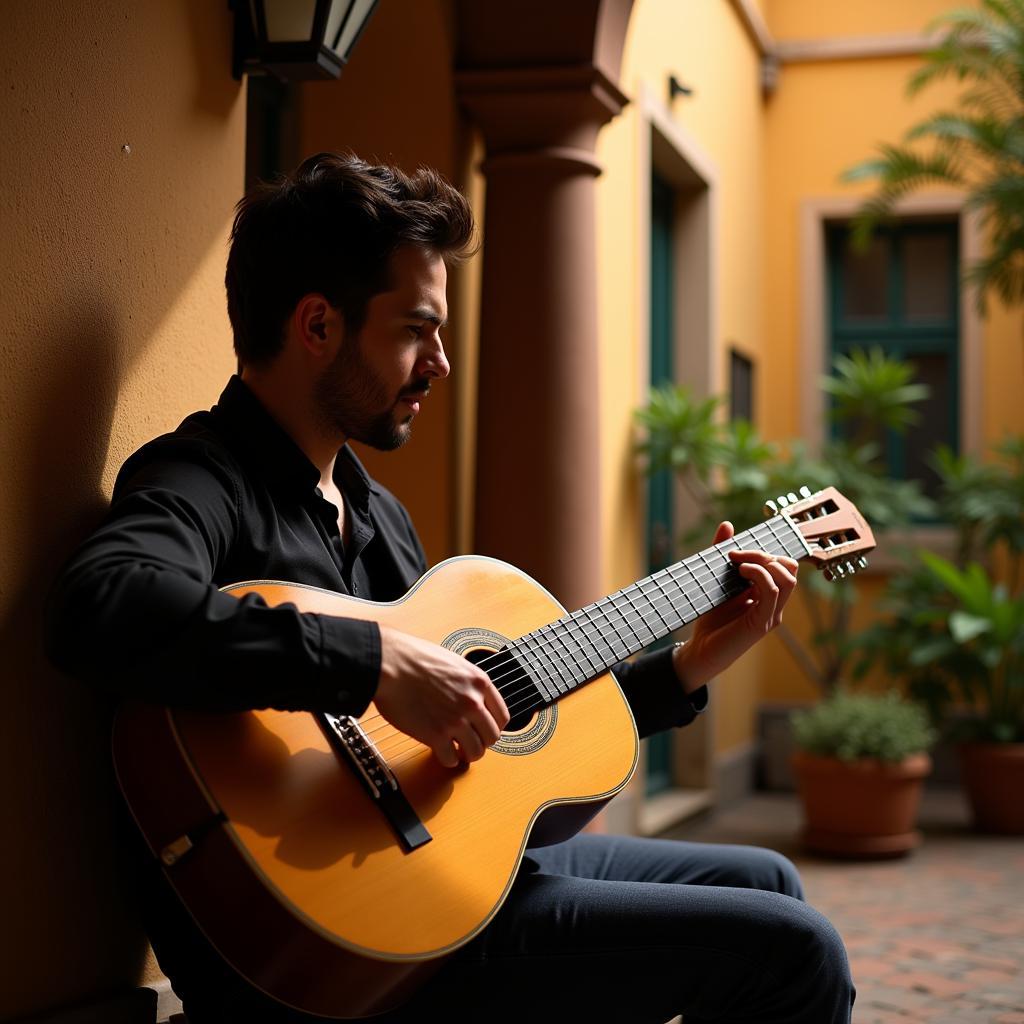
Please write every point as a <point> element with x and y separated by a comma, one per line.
<point>355,748</point>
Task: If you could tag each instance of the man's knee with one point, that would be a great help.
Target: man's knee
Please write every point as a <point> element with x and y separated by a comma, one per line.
<point>784,875</point>
<point>817,952</point>
<point>769,870</point>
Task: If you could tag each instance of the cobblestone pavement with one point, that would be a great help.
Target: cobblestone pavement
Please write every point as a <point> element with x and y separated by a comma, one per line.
<point>937,936</point>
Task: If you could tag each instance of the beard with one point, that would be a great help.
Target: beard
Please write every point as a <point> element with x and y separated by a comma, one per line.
<point>351,399</point>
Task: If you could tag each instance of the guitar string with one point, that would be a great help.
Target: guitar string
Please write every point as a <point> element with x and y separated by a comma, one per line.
<point>574,628</point>
<point>533,690</point>
<point>558,681</point>
<point>401,742</point>
<point>405,744</point>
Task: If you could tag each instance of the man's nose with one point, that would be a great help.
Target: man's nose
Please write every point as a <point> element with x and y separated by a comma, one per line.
<point>435,362</point>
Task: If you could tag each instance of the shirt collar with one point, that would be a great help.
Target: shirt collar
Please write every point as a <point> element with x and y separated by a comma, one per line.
<point>277,456</point>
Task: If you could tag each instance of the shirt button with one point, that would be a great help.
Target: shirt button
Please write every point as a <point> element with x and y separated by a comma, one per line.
<point>355,587</point>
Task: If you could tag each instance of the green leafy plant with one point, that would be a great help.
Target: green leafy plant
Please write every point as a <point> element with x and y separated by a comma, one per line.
<point>871,392</point>
<point>729,470</point>
<point>952,630</point>
<point>977,148</point>
<point>852,726</point>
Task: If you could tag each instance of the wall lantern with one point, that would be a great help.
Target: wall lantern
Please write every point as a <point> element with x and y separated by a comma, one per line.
<point>293,39</point>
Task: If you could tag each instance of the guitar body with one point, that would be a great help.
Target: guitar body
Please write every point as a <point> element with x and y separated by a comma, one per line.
<point>289,867</point>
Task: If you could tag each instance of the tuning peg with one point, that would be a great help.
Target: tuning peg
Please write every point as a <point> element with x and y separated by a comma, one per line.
<point>829,575</point>
<point>839,570</point>
<point>862,562</point>
<point>783,500</point>
<point>805,491</point>
<point>792,497</point>
<point>851,568</point>
<point>770,508</point>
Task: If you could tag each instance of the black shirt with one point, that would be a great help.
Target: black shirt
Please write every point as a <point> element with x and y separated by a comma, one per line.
<point>229,497</point>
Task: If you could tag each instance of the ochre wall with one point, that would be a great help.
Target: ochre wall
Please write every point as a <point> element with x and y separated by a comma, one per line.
<point>812,19</point>
<point>707,47</point>
<point>114,327</point>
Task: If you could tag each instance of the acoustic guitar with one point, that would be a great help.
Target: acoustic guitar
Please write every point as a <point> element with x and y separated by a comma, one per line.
<point>333,861</point>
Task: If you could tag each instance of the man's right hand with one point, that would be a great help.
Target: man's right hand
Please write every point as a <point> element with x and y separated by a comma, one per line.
<point>438,698</point>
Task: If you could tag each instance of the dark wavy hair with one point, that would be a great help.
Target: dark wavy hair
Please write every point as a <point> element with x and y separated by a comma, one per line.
<point>331,227</point>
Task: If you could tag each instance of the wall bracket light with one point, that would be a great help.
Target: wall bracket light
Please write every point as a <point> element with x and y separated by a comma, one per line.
<point>297,39</point>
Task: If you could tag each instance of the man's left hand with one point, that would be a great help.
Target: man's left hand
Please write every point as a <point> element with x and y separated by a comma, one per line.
<point>725,633</point>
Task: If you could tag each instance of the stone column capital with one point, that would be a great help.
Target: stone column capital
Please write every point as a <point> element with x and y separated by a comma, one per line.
<point>531,108</point>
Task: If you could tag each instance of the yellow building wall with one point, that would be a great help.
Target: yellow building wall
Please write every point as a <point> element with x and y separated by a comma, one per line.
<point>121,160</point>
<point>790,20</point>
<point>823,117</point>
<point>706,46</point>
<point>770,154</point>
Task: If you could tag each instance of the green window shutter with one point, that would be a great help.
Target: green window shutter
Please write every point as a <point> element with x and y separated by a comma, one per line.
<point>903,295</point>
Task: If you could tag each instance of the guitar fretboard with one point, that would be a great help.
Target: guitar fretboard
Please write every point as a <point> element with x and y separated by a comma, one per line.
<point>579,647</point>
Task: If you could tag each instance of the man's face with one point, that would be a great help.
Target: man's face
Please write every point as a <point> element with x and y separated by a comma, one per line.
<point>372,389</point>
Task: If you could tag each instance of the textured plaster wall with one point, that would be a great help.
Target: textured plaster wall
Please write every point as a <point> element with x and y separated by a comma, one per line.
<point>121,158</point>
<point>810,19</point>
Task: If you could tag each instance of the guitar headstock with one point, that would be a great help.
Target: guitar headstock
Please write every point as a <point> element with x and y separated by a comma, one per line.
<point>835,532</point>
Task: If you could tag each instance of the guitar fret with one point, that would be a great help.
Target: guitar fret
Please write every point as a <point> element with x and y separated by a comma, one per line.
<point>564,654</point>
<point>703,590</point>
<point>715,589</point>
<point>684,594</point>
<point>643,622</point>
<point>625,618</point>
<point>575,650</point>
<point>561,678</point>
<point>537,670</point>
<point>596,636</point>
<point>666,628</point>
<point>656,579</point>
<point>624,648</point>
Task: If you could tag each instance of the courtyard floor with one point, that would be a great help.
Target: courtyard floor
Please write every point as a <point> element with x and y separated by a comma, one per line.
<point>937,936</point>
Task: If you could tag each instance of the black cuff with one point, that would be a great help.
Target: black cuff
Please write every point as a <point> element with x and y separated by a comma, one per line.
<point>349,664</point>
<point>656,696</point>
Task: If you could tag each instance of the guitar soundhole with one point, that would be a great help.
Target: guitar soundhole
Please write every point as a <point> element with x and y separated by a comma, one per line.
<point>517,689</point>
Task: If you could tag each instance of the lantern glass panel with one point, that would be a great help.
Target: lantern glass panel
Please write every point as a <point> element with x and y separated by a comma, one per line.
<point>360,12</point>
<point>289,21</point>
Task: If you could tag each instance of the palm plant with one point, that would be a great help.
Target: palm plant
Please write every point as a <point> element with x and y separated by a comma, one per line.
<point>977,148</point>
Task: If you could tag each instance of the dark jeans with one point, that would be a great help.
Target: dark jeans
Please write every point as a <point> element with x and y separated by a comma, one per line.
<point>617,929</point>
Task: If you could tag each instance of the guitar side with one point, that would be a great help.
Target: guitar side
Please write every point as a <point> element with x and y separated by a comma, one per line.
<point>305,842</point>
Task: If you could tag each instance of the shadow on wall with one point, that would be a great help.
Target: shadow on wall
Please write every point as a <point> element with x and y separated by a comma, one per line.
<point>63,889</point>
<point>101,242</point>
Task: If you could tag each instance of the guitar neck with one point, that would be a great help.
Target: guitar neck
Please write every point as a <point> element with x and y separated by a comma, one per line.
<point>579,647</point>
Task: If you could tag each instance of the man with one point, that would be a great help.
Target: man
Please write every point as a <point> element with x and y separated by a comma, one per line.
<point>336,293</point>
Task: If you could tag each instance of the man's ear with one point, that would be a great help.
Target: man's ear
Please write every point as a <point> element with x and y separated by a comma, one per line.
<point>318,325</point>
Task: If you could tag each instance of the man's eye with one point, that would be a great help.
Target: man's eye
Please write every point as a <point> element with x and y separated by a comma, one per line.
<point>414,329</point>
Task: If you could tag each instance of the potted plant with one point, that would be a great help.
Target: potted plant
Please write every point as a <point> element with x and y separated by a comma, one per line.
<point>955,632</point>
<point>861,762</point>
<point>728,471</point>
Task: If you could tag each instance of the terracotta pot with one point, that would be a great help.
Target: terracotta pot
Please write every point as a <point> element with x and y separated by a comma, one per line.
<point>993,775</point>
<point>860,809</point>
